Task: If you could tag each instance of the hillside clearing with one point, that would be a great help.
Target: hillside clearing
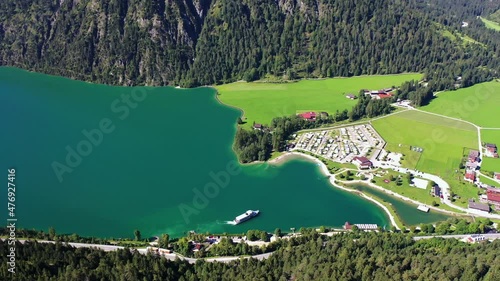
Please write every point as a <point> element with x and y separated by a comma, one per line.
<point>491,24</point>
<point>477,104</point>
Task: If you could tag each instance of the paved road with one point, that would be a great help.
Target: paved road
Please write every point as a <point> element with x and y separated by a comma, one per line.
<point>492,236</point>
<point>172,257</point>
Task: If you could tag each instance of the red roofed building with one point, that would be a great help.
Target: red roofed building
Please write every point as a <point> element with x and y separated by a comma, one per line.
<point>362,162</point>
<point>493,196</point>
<point>309,116</point>
<point>347,225</point>
<point>470,176</point>
<point>384,96</point>
<point>497,176</point>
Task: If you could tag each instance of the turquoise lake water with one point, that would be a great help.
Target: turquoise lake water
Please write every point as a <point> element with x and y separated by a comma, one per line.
<point>103,161</point>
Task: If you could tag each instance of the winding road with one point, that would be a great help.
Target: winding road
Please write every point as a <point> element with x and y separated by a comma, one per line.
<point>172,257</point>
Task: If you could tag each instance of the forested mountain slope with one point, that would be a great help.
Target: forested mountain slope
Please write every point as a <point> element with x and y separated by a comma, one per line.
<point>117,41</point>
<point>198,42</point>
<point>373,257</point>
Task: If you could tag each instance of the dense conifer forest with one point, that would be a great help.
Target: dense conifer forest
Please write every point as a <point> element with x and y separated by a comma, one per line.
<point>352,256</point>
<point>199,42</point>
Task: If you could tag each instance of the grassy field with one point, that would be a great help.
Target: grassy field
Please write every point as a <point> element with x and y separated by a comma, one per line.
<point>491,24</point>
<point>489,182</point>
<point>477,104</point>
<point>491,136</point>
<point>491,164</point>
<point>261,102</point>
<point>444,143</point>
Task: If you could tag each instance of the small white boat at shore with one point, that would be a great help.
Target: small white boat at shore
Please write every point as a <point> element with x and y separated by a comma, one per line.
<point>423,208</point>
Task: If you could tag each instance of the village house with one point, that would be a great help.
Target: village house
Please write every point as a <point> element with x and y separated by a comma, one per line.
<point>491,150</point>
<point>471,165</point>
<point>436,191</point>
<point>493,196</point>
<point>473,156</point>
<point>196,247</point>
<point>475,238</point>
<point>470,176</point>
<point>362,162</point>
<point>351,96</point>
<point>257,126</point>
<point>497,176</point>
<point>478,206</point>
<point>311,116</point>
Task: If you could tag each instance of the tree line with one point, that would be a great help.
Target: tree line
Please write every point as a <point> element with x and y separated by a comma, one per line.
<point>348,256</point>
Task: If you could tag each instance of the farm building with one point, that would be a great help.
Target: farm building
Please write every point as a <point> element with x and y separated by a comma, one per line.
<point>384,96</point>
<point>257,126</point>
<point>493,196</point>
<point>470,176</point>
<point>311,116</point>
<point>362,162</point>
<point>478,206</point>
<point>497,176</point>
<point>379,94</point>
<point>351,96</point>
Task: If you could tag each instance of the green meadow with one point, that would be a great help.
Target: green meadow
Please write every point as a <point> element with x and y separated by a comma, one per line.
<point>261,101</point>
<point>442,139</point>
<point>477,104</point>
<point>444,142</point>
<point>490,182</point>
<point>491,136</point>
<point>491,24</point>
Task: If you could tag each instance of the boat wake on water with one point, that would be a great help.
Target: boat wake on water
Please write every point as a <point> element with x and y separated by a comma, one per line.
<point>231,222</point>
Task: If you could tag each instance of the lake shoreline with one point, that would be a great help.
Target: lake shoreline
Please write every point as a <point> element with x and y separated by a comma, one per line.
<point>324,169</point>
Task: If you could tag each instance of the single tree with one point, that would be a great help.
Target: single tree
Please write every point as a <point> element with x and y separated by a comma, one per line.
<point>277,232</point>
<point>164,241</point>
<point>52,233</point>
<point>137,235</point>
